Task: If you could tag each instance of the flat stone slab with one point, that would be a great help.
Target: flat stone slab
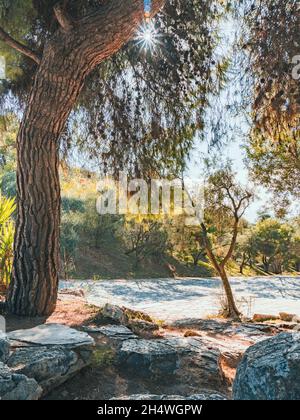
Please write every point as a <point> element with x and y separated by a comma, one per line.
<point>52,335</point>
<point>114,332</point>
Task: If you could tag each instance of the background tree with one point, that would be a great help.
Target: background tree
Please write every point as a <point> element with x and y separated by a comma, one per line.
<point>63,44</point>
<point>244,253</point>
<point>271,244</point>
<point>145,238</point>
<point>270,39</point>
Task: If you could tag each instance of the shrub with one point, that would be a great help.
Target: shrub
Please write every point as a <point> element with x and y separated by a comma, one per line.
<point>70,204</point>
<point>7,207</point>
<point>8,184</point>
<point>98,228</point>
<point>69,241</point>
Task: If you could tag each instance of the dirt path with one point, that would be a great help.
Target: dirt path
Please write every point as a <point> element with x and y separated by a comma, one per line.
<point>169,299</point>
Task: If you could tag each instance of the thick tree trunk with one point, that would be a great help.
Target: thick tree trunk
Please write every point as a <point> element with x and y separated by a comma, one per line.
<point>34,284</point>
<point>67,60</point>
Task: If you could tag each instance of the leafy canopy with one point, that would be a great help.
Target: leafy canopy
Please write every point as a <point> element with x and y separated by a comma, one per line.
<point>139,110</point>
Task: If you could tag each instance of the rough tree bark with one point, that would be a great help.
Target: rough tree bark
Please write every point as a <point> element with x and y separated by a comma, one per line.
<point>73,52</point>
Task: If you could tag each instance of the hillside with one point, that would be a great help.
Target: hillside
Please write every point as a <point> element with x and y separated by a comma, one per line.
<point>95,249</point>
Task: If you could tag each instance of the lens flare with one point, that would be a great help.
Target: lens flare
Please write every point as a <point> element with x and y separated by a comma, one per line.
<point>147,36</point>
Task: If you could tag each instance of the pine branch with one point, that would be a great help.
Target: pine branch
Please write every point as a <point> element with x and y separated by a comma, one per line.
<point>8,40</point>
<point>63,18</point>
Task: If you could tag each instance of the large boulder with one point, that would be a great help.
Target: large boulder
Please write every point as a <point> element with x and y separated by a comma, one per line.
<point>50,354</point>
<point>49,366</point>
<point>146,358</point>
<point>270,370</point>
<point>15,387</point>
<point>52,335</point>
<point>4,347</point>
<point>190,359</point>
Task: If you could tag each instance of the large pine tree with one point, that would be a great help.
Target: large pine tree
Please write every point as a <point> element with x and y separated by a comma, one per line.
<point>138,108</point>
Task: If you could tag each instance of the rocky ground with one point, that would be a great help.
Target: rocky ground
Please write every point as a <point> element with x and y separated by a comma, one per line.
<point>116,352</point>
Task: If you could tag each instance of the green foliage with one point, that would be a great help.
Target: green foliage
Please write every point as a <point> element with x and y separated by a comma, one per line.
<point>126,118</point>
<point>8,184</point>
<point>103,357</point>
<point>226,201</point>
<point>69,241</point>
<point>7,207</point>
<point>100,228</point>
<point>271,242</point>
<point>271,38</point>
<point>276,165</point>
<point>271,41</point>
<point>145,238</point>
<point>8,132</point>
<point>71,204</point>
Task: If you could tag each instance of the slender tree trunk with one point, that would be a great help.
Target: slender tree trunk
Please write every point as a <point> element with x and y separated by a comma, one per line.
<point>243,264</point>
<point>68,58</point>
<point>231,311</point>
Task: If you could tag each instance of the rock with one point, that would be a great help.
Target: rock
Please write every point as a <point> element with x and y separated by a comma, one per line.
<point>208,397</point>
<point>137,315</point>
<point>50,354</point>
<point>264,318</point>
<point>72,292</point>
<point>17,387</point>
<point>296,319</point>
<point>191,333</point>
<point>286,325</point>
<point>287,317</point>
<point>153,397</point>
<point>199,362</point>
<point>139,326</point>
<point>190,359</point>
<point>149,358</point>
<point>113,332</point>
<point>208,325</point>
<point>297,328</point>
<point>4,347</point>
<point>245,331</point>
<point>115,314</point>
<point>52,335</point>
<point>49,366</point>
<point>270,370</point>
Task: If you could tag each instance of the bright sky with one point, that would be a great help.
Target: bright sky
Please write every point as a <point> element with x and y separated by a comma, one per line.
<point>237,129</point>
<point>235,153</point>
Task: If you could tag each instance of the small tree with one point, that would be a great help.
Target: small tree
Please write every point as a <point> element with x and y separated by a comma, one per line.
<point>244,254</point>
<point>225,206</point>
